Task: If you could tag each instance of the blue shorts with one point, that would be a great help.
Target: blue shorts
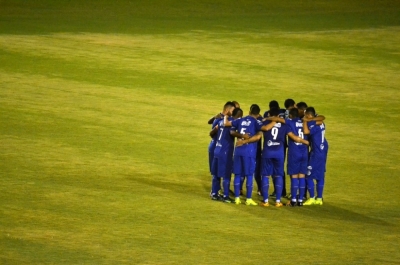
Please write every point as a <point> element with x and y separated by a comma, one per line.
<point>221,167</point>
<point>297,164</point>
<point>316,168</point>
<point>243,165</point>
<point>272,166</point>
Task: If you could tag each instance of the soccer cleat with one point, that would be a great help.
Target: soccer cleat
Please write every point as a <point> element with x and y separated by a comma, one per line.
<point>237,200</point>
<point>250,202</point>
<point>259,193</point>
<point>310,201</point>
<point>291,203</point>
<point>318,201</point>
<point>216,197</point>
<point>228,200</point>
<point>278,204</point>
<point>265,204</point>
<point>299,203</point>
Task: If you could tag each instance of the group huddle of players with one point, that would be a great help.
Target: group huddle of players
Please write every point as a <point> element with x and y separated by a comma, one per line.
<point>262,145</point>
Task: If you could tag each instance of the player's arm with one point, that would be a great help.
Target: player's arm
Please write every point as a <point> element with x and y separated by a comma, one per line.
<point>252,139</point>
<point>319,119</point>
<point>268,126</point>
<point>227,123</point>
<point>297,139</point>
<point>275,119</point>
<point>218,116</point>
<point>306,130</point>
<point>214,131</point>
<point>240,135</point>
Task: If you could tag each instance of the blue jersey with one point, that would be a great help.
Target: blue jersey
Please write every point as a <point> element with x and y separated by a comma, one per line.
<point>211,146</point>
<point>247,125</point>
<point>296,127</point>
<point>274,141</point>
<point>225,142</point>
<point>319,145</point>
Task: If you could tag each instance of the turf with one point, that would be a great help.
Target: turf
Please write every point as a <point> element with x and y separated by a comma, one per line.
<point>103,110</point>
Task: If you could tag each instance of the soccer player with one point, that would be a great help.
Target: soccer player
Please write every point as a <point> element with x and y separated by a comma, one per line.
<point>318,156</point>
<point>273,104</point>
<point>245,155</point>
<point>227,109</point>
<point>222,159</point>
<point>297,159</point>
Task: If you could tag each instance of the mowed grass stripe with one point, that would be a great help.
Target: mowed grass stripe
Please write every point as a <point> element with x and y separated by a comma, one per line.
<point>204,58</point>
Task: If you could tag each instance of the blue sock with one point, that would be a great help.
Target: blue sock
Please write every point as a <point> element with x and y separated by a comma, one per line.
<point>226,183</point>
<point>320,188</point>
<point>241,182</point>
<point>302,188</point>
<point>215,185</point>
<point>265,187</point>
<point>278,187</point>
<point>294,187</point>
<point>249,186</point>
<point>236,184</point>
<point>310,187</point>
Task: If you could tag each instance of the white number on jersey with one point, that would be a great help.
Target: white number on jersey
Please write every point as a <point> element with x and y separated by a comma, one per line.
<point>274,132</point>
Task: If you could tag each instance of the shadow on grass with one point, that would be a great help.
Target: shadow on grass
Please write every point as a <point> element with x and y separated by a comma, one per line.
<point>193,186</point>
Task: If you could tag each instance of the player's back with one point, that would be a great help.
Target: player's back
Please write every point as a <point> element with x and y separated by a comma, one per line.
<point>296,127</point>
<point>224,142</point>
<point>274,141</point>
<point>247,125</point>
<point>319,144</point>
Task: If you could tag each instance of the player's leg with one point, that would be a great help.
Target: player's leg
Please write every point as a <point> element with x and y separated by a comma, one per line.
<point>320,190</point>
<point>294,187</point>
<point>249,165</point>
<point>311,190</point>
<point>302,189</point>
<point>237,171</point>
<point>278,171</point>
<point>216,181</point>
<point>266,171</point>
<point>257,175</point>
<point>226,164</point>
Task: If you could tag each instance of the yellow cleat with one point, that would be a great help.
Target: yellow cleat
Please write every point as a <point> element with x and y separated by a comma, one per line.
<point>278,204</point>
<point>250,202</point>
<point>265,204</point>
<point>310,201</point>
<point>237,200</point>
<point>318,201</point>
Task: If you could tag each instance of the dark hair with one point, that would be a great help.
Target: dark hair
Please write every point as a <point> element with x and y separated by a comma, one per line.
<point>254,109</point>
<point>289,103</point>
<point>274,112</point>
<point>237,112</point>
<point>301,105</point>
<point>294,113</point>
<point>310,110</point>
<point>273,104</point>
<point>228,104</point>
<point>235,103</point>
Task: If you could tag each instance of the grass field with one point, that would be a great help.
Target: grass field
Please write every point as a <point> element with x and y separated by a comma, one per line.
<point>103,136</point>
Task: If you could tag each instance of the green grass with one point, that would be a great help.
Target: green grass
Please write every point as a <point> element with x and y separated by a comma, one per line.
<point>103,110</point>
